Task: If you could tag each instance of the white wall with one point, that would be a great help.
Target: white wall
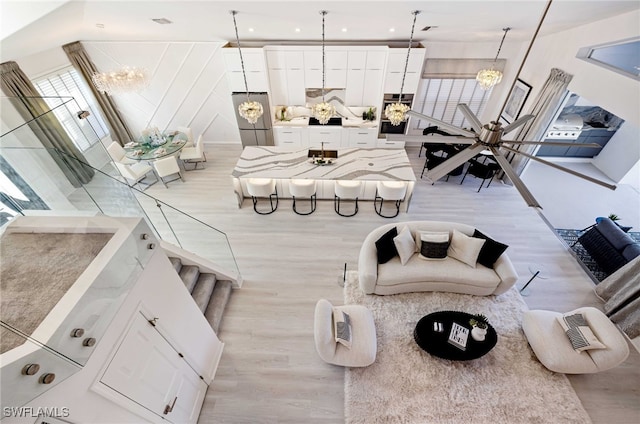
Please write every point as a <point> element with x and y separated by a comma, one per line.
<point>620,156</point>
<point>613,92</point>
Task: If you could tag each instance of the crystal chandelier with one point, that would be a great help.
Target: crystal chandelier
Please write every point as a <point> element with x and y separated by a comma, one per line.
<point>323,111</point>
<point>397,112</point>
<point>121,81</point>
<point>249,110</point>
<point>487,78</point>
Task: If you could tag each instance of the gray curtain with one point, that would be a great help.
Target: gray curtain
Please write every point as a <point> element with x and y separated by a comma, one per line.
<point>83,64</point>
<point>27,101</point>
<point>544,109</point>
<point>621,293</point>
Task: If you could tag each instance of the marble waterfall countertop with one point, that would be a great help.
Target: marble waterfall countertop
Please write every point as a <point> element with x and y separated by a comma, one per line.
<point>351,164</point>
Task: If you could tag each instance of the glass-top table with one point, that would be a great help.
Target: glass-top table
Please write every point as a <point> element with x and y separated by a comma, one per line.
<point>169,144</point>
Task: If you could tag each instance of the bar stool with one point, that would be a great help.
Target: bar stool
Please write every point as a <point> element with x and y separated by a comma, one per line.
<point>346,190</point>
<point>262,187</point>
<point>389,190</point>
<point>303,188</point>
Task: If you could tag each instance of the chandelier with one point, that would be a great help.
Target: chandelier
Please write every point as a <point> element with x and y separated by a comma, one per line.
<point>121,81</point>
<point>323,111</point>
<point>487,78</point>
<point>249,110</point>
<point>397,112</point>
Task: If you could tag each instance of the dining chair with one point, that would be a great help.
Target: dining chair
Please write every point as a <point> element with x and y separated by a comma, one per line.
<point>166,167</point>
<point>193,155</point>
<point>135,173</point>
<point>485,171</point>
<point>118,154</point>
<point>189,133</point>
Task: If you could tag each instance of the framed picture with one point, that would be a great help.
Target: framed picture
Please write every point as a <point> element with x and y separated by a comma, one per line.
<point>516,100</point>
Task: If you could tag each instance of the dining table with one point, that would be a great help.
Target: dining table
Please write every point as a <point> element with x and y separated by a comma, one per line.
<point>167,144</point>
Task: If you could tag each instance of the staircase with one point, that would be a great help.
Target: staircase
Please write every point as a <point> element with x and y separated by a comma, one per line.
<point>210,294</point>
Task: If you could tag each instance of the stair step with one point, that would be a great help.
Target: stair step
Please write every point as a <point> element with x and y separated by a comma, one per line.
<point>203,290</point>
<point>177,264</point>
<point>219,300</point>
<point>189,275</point>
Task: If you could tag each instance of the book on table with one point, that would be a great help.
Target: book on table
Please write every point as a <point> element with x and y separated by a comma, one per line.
<point>458,336</point>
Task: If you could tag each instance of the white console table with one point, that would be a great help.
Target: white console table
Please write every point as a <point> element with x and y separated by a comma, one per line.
<point>284,164</point>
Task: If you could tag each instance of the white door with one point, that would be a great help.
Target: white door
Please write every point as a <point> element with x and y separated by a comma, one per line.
<point>150,372</point>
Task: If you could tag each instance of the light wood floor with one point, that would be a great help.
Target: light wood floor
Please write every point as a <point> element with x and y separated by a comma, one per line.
<point>270,371</point>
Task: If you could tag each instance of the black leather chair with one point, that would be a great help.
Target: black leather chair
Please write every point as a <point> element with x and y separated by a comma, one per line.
<point>485,171</point>
<point>432,147</point>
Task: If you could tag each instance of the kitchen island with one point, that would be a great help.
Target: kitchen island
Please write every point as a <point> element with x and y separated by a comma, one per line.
<point>352,163</point>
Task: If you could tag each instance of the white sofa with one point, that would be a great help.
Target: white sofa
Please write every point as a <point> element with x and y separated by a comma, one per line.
<point>447,275</point>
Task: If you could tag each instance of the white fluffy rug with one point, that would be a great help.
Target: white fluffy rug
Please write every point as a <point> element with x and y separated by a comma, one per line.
<point>407,385</point>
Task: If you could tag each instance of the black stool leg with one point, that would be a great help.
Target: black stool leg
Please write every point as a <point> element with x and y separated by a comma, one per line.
<point>312,200</point>
<point>273,209</point>
<point>336,207</point>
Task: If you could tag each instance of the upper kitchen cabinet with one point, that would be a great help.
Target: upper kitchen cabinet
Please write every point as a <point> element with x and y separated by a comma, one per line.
<point>365,75</point>
<point>335,68</point>
<point>286,76</point>
<point>395,70</point>
<point>254,65</point>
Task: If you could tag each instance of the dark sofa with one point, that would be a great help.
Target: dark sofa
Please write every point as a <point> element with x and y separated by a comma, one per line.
<point>609,245</point>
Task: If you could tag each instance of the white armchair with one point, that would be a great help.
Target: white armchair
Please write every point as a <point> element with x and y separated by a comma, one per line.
<point>165,167</point>
<point>118,154</point>
<point>193,155</point>
<point>363,339</point>
<point>135,173</point>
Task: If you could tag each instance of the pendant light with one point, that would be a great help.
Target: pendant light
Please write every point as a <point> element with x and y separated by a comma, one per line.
<point>397,112</point>
<point>323,111</point>
<point>487,78</point>
<point>249,110</point>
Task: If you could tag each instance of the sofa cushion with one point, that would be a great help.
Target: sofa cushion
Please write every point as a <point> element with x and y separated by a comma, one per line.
<point>464,248</point>
<point>405,245</point>
<point>434,245</point>
<point>614,234</point>
<point>491,250</point>
<point>631,252</point>
<point>386,247</point>
<point>448,270</point>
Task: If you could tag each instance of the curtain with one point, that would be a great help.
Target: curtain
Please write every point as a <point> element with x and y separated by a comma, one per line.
<point>544,109</point>
<point>621,293</point>
<point>46,127</point>
<point>83,64</point>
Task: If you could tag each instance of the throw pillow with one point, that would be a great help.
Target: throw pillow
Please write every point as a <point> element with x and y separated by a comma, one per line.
<point>464,248</point>
<point>579,333</point>
<point>433,245</point>
<point>386,247</point>
<point>491,250</point>
<point>405,245</point>
<point>342,327</point>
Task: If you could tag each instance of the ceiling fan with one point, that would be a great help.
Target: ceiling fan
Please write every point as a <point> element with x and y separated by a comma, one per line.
<point>489,137</point>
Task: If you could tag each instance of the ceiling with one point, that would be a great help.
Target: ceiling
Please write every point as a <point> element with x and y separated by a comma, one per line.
<point>33,26</point>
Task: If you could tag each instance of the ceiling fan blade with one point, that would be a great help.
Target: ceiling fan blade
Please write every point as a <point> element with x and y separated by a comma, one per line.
<point>418,139</point>
<point>515,124</point>
<point>515,179</point>
<point>562,168</point>
<point>471,117</point>
<point>555,143</point>
<point>442,124</point>
<point>453,162</point>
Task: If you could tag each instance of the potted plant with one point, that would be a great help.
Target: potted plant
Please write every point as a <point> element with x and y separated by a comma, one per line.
<point>369,115</point>
<point>479,324</point>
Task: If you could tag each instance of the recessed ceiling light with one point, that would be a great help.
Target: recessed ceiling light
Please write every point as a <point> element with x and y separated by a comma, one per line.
<point>344,30</point>
<point>250,29</point>
<point>297,29</point>
<point>392,30</point>
<point>162,21</point>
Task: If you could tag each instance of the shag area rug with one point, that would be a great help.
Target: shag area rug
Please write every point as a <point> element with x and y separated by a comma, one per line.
<point>408,385</point>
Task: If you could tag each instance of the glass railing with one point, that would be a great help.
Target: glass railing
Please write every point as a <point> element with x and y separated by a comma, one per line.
<point>82,193</point>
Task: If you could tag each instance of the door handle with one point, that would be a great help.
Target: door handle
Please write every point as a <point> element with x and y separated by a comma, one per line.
<point>169,408</point>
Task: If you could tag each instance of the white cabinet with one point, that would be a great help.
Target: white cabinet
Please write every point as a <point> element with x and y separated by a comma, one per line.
<point>149,370</point>
<point>362,137</point>
<point>383,143</point>
<point>395,70</point>
<point>336,69</point>
<point>365,76</point>
<point>330,136</point>
<point>290,136</point>
<point>286,77</point>
<point>254,65</point>
<point>313,68</point>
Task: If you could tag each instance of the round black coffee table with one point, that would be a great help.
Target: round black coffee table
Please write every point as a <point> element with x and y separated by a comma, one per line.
<point>437,343</point>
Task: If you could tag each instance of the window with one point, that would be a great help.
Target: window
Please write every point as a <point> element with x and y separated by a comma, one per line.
<point>68,83</point>
<point>439,98</point>
<point>622,57</point>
